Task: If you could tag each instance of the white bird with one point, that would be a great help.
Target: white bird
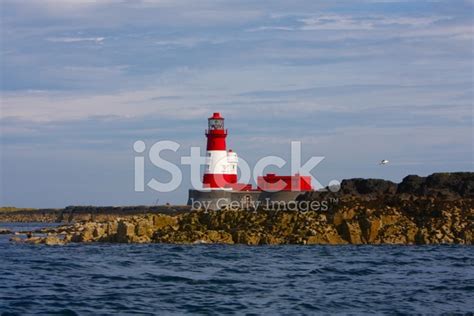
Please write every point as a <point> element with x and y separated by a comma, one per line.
<point>384,162</point>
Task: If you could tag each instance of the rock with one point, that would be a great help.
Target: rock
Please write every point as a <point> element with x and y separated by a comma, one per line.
<point>333,238</point>
<point>316,240</point>
<point>111,228</point>
<point>423,210</point>
<point>247,238</point>
<point>34,240</point>
<point>411,184</point>
<point>53,241</point>
<point>144,228</point>
<point>371,228</point>
<point>99,231</point>
<point>125,232</point>
<point>389,219</point>
<point>162,221</point>
<point>367,187</point>
<point>220,237</point>
<point>4,231</point>
<point>351,232</point>
<point>343,215</point>
<point>447,185</point>
<point>269,239</point>
<point>16,239</point>
<point>85,233</point>
<point>422,237</point>
<point>358,220</point>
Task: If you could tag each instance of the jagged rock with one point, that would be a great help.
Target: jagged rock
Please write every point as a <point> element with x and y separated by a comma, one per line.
<point>16,239</point>
<point>351,231</point>
<point>125,232</point>
<point>144,228</point>
<point>161,221</point>
<point>34,240</point>
<point>367,186</point>
<point>389,219</point>
<point>53,241</point>
<point>446,185</point>
<point>371,227</point>
<point>247,238</point>
<point>219,237</point>
<point>99,231</point>
<point>269,239</point>
<point>85,233</point>
<point>411,184</point>
<point>112,228</point>
<point>343,215</point>
<point>329,237</point>
<point>429,210</point>
<point>355,221</point>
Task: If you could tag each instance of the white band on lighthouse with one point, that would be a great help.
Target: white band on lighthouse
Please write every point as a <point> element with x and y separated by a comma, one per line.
<point>221,162</point>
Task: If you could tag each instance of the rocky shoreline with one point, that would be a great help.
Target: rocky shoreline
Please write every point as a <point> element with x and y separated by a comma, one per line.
<point>438,209</point>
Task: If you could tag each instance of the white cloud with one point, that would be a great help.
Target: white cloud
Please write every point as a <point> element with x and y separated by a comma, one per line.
<point>55,106</point>
<point>75,39</point>
<point>460,32</point>
<point>271,28</point>
<point>337,22</point>
<point>189,42</point>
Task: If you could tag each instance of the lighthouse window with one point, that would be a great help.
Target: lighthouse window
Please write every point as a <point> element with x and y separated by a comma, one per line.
<point>216,124</point>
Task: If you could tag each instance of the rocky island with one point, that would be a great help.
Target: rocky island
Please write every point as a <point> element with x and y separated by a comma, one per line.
<point>438,209</point>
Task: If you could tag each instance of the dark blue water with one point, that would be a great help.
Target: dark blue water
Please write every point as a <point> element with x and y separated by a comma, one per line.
<point>173,279</point>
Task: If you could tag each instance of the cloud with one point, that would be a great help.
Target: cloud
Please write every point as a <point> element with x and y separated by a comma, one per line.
<point>75,39</point>
<point>459,32</point>
<point>189,42</point>
<point>338,22</point>
<point>115,13</point>
<point>271,28</point>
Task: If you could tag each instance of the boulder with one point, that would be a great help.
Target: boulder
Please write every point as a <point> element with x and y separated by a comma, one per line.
<point>144,227</point>
<point>444,185</point>
<point>111,227</point>
<point>125,232</point>
<point>34,240</point>
<point>269,239</point>
<point>371,227</point>
<point>220,237</point>
<point>350,231</point>
<point>162,221</point>
<point>85,233</point>
<point>53,240</point>
<point>16,239</point>
<point>374,187</point>
<point>343,215</point>
<point>246,237</point>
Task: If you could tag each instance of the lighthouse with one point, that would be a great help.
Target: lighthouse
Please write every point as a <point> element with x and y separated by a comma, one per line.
<point>220,188</point>
<point>221,165</point>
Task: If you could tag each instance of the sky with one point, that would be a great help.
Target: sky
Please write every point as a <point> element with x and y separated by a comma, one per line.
<point>355,81</point>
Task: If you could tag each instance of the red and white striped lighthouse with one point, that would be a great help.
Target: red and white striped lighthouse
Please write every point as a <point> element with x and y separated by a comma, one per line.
<point>221,165</point>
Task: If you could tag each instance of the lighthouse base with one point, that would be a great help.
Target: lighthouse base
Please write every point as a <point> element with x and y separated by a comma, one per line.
<point>224,199</point>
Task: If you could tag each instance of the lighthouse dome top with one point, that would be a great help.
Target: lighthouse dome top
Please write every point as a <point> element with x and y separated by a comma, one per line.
<point>216,115</point>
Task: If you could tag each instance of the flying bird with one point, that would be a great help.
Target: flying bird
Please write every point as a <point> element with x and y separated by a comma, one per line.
<point>383,162</point>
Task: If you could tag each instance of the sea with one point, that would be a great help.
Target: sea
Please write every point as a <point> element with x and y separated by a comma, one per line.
<point>164,279</point>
